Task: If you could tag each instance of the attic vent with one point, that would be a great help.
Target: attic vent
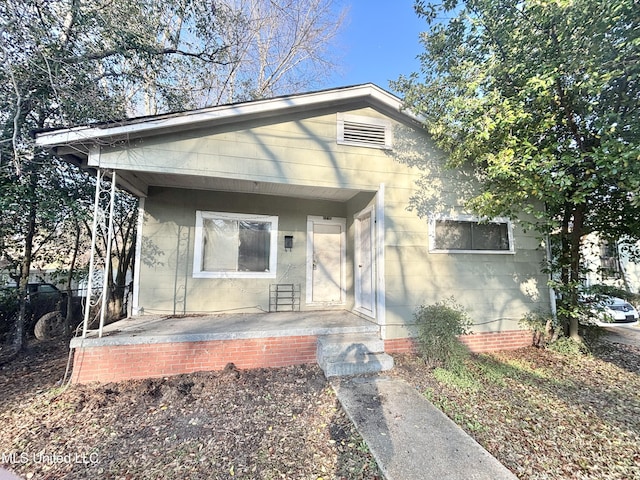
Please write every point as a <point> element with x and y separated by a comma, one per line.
<point>364,131</point>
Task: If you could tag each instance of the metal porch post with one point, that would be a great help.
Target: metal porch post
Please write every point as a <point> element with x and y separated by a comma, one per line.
<point>107,258</point>
<point>99,222</point>
<point>94,228</point>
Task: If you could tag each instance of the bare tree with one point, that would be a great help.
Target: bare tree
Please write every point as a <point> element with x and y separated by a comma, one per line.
<point>275,47</point>
<point>68,62</point>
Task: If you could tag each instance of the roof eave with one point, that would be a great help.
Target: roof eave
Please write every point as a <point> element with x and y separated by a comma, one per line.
<point>223,114</point>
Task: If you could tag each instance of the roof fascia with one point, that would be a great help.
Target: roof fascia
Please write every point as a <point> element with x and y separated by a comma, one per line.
<point>224,114</point>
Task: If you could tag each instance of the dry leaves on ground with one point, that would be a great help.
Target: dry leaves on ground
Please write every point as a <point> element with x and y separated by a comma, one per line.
<point>542,414</point>
<point>266,423</point>
<point>545,415</point>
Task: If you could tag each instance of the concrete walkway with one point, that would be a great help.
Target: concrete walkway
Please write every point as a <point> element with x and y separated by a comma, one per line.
<point>409,437</point>
<point>626,334</point>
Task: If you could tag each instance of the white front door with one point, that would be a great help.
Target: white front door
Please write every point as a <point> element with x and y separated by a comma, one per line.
<point>326,260</point>
<point>365,263</point>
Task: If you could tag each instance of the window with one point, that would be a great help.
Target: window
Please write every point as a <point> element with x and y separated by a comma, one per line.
<point>609,260</point>
<point>234,245</point>
<point>364,131</point>
<point>465,235</point>
<point>44,288</point>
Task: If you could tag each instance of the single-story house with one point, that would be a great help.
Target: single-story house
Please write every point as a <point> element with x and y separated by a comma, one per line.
<point>331,202</point>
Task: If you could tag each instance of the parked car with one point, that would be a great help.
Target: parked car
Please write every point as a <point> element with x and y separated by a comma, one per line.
<point>42,299</point>
<point>612,310</point>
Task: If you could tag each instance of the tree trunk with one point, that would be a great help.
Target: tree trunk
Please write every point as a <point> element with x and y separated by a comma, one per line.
<point>25,266</point>
<point>69,317</point>
<point>565,260</point>
<point>575,239</point>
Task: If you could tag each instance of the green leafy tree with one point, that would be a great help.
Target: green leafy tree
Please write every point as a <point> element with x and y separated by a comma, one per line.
<point>69,62</point>
<point>541,100</point>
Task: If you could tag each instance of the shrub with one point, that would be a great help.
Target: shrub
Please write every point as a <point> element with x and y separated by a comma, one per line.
<point>439,326</point>
<point>544,327</point>
<point>569,347</point>
<point>8,312</point>
<point>547,333</point>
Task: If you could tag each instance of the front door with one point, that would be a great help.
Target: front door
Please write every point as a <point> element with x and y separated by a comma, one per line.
<point>326,260</point>
<point>364,263</point>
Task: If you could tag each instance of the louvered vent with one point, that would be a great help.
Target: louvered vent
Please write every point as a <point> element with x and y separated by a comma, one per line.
<point>364,131</point>
<point>373,135</point>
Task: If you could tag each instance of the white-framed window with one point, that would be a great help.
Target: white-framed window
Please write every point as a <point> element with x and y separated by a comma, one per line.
<point>467,234</point>
<point>364,131</point>
<point>235,245</point>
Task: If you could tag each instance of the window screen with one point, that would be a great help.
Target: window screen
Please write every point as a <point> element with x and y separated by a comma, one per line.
<point>234,245</point>
<point>467,235</point>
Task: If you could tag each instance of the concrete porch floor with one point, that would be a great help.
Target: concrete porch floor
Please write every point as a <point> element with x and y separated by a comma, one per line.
<point>150,329</point>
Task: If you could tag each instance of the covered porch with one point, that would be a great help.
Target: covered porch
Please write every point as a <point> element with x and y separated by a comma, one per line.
<point>157,346</point>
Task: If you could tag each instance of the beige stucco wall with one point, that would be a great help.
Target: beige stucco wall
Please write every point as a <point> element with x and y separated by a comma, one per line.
<point>302,150</point>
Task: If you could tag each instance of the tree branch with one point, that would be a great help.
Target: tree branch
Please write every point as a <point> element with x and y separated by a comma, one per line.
<point>16,122</point>
<point>209,57</point>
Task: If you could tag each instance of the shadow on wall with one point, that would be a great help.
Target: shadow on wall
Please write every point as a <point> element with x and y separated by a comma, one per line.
<point>150,253</point>
<point>495,289</point>
<point>495,298</point>
<point>200,157</point>
<point>170,264</point>
<point>307,134</point>
<point>167,250</point>
<point>439,190</point>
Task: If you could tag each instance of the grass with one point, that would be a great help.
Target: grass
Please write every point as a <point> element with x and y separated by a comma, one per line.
<point>543,414</point>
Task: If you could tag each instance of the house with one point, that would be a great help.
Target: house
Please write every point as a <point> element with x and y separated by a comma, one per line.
<point>332,202</point>
<point>611,263</point>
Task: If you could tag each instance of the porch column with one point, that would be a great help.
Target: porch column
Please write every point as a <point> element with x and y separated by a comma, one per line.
<point>107,257</point>
<point>135,308</point>
<point>381,305</point>
<point>102,222</point>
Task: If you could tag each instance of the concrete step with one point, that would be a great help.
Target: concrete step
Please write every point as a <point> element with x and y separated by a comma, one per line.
<point>349,345</point>
<point>352,354</point>
<point>369,363</point>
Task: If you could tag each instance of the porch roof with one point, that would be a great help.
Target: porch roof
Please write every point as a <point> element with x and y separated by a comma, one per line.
<point>150,329</point>
<point>82,145</point>
<point>220,184</point>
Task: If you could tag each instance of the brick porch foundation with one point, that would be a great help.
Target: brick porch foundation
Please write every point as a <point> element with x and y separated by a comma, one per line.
<point>112,363</point>
<point>491,342</point>
<point>477,343</point>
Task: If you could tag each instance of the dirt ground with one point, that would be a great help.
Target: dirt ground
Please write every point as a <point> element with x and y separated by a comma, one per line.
<point>542,414</point>
<point>262,424</point>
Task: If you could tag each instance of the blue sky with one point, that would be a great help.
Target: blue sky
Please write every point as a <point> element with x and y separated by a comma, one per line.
<point>379,42</point>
